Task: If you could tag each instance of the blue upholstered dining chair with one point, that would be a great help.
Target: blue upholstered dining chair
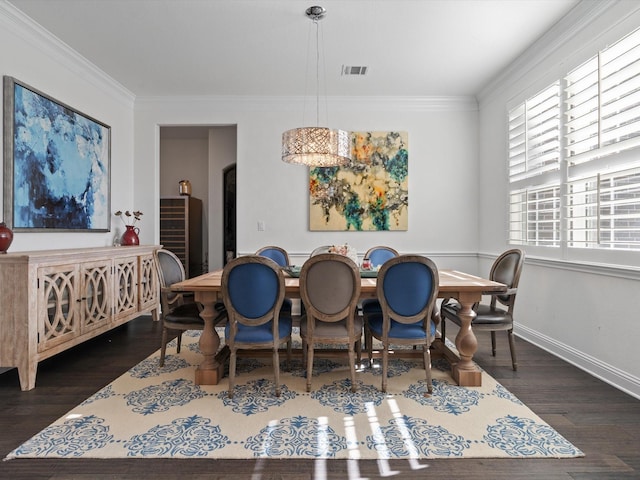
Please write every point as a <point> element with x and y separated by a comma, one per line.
<point>506,269</point>
<point>281,257</point>
<point>380,254</point>
<point>330,289</point>
<point>253,292</point>
<point>377,255</point>
<point>407,288</point>
<point>277,254</point>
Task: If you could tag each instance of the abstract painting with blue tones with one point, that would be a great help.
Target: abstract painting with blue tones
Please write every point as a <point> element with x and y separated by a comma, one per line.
<point>61,163</point>
<point>369,193</point>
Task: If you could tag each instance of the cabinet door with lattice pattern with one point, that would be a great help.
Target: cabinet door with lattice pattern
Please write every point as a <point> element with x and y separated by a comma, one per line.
<point>125,281</point>
<point>96,297</point>
<point>149,286</point>
<point>58,305</point>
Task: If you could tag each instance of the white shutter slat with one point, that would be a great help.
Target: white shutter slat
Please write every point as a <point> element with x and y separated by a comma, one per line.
<point>604,210</point>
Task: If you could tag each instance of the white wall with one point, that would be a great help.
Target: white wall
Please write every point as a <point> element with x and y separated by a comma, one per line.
<point>36,58</point>
<point>442,168</point>
<point>570,302</point>
<point>184,158</point>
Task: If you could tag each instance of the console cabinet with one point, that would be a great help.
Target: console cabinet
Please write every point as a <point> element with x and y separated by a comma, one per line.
<point>55,299</point>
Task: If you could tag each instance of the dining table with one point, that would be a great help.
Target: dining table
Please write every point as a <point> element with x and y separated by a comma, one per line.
<point>467,289</point>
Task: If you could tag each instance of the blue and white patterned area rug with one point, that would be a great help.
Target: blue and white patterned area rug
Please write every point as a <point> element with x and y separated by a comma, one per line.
<point>161,413</point>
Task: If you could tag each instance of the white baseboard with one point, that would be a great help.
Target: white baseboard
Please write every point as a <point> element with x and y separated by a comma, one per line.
<point>611,375</point>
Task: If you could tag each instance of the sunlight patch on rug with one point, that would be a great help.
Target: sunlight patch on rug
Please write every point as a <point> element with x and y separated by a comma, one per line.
<point>153,412</point>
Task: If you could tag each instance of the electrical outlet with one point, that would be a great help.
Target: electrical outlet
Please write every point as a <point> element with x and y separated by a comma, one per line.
<point>261,226</point>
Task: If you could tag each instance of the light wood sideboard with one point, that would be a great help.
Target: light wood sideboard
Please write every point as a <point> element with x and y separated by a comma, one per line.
<point>52,300</point>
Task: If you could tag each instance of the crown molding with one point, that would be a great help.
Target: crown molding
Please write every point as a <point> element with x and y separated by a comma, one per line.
<point>14,21</point>
<point>578,19</point>
<point>295,103</point>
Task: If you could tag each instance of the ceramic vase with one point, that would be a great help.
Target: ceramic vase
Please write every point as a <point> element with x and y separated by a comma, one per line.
<point>130,236</point>
<point>6,237</point>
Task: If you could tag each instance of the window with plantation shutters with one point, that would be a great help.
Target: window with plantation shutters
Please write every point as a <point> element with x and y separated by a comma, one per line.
<point>603,103</point>
<point>534,150</point>
<point>603,210</point>
<point>597,196</point>
<point>534,135</point>
<point>535,216</point>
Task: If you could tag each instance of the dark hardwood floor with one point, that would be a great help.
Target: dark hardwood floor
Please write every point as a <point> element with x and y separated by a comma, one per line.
<point>600,420</point>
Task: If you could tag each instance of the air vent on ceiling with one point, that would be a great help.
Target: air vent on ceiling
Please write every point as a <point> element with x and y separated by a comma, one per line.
<point>351,70</point>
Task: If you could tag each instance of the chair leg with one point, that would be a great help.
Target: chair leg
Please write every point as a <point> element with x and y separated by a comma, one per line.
<point>179,340</point>
<point>232,372</point>
<point>163,346</point>
<point>368,344</point>
<point>512,347</point>
<point>309,364</point>
<point>367,339</point>
<point>359,351</point>
<point>289,355</point>
<point>427,366</point>
<point>304,353</point>
<point>493,343</point>
<point>385,365</point>
<point>352,365</point>
<point>276,368</point>
<point>443,328</point>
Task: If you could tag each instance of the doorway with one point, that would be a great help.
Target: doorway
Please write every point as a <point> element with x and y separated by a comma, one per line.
<point>229,229</point>
<point>201,154</point>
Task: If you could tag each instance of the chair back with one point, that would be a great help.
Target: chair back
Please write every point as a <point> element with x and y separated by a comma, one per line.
<point>319,250</point>
<point>407,289</point>
<point>170,271</point>
<point>170,268</point>
<point>506,269</point>
<point>380,254</point>
<point>277,254</point>
<point>252,291</point>
<point>330,287</point>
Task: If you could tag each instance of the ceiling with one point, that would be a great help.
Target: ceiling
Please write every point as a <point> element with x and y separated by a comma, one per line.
<point>267,47</point>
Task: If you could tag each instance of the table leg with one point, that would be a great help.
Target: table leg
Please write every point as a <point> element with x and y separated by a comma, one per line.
<point>465,372</point>
<point>211,370</point>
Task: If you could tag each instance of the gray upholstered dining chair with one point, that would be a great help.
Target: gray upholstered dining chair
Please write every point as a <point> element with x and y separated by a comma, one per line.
<point>179,311</point>
<point>319,250</point>
<point>506,269</point>
<point>330,289</point>
<point>407,288</point>
<point>253,292</point>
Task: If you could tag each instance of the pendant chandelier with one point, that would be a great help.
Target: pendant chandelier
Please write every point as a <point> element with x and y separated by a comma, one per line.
<point>316,146</point>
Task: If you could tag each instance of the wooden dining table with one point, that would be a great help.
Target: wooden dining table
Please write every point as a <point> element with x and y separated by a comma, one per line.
<point>465,288</point>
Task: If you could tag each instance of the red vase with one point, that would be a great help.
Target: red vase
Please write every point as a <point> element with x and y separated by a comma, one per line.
<point>6,237</point>
<point>130,236</point>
